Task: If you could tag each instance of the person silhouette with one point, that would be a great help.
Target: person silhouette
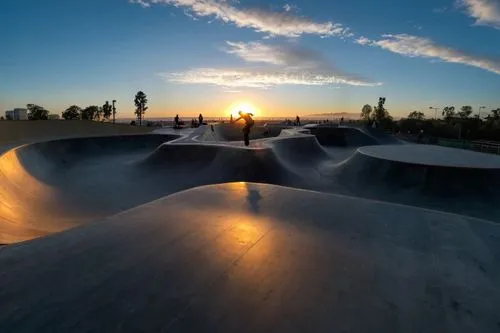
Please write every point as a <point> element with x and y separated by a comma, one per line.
<point>249,122</point>
<point>200,118</point>
<point>176,121</point>
<point>297,120</point>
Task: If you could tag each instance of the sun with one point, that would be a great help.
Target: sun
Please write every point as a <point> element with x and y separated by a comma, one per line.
<point>246,107</point>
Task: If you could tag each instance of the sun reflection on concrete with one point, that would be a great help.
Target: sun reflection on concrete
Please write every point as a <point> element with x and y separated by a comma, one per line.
<point>18,189</point>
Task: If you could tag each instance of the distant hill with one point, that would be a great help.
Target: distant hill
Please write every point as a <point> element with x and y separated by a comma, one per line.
<point>346,115</point>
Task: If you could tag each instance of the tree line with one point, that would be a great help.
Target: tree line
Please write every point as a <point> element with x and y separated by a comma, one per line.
<point>93,112</point>
<point>377,114</point>
<point>96,113</point>
<point>456,123</point>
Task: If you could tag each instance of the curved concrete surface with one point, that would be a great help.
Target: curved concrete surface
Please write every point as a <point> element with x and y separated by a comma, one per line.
<point>433,156</point>
<point>234,132</point>
<point>441,178</point>
<point>345,136</point>
<point>52,186</point>
<point>243,257</point>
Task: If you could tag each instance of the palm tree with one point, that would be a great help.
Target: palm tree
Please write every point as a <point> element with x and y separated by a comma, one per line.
<point>140,102</point>
<point>106,110</point>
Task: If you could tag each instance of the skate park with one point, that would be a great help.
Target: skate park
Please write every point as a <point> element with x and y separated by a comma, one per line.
<point>313,228</point>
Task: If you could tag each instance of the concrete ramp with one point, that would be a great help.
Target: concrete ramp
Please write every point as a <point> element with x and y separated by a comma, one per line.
<point>244,257</point>
<point>380,136</point>
<point>342,136</point>
<point>51,186</point>
<point>218,163</point>
<point>299,150</point>
<point>431,176</point>
<point>233,132</point>
<point>346,136</point>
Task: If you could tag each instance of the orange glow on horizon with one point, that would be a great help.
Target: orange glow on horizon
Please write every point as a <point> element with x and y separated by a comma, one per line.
<point>246,107</point>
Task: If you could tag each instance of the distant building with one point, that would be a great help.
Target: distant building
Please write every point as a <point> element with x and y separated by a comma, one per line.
<point>17,114</point>
<point>54,117</point>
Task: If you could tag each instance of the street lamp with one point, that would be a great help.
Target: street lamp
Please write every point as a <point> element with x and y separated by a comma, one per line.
<point>435,111</point>
<point>114,110</point>
<point>479,114</point>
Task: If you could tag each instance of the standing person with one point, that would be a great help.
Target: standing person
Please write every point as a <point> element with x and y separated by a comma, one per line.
<point>200,118</point>
<point>297,120</point>
<point>176,121</point>
<point>231,119</point>
<point>249,122</point>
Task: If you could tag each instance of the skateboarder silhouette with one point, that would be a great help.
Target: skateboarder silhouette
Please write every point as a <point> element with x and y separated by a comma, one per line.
<point>248,125</point>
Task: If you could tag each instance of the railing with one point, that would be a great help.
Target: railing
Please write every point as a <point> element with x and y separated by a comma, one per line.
<point>490,147</point>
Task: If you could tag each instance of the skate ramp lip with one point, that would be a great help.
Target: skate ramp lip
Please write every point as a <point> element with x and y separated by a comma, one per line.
<point>433,156</point>
<point>233,132</point>
<point>425,176</point>
<point>341,136</point>
<point>351,136</point>
<point>214,257</point>
<point>50,186</point>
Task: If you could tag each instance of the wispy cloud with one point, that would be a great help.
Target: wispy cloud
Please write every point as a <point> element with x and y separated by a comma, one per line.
<point>284,64</point>
<point>486,12</point>
<point>363,41</point>
<point>270,22</point>
<point>290,8</point>
<point>286,55</point>
<point>440,10</point>
<point>414,46</point>
<point>260,78</point>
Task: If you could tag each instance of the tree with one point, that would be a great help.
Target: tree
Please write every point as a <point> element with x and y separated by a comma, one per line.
<point>90,112</point>
<point>106,110</point>
<point>72,113</point>
<point>140,102</point>
<point>493,119</point>
<point>37,112</point>
<point>465,112</point>
<point>417,115</point>
<point>448,113</point>
<point>366,112</point>
<point>98,114</point>
<point>494,115</point>
<point>380,112</point>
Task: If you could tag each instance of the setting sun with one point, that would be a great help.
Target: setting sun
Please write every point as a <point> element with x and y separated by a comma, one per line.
<point>243,106</point>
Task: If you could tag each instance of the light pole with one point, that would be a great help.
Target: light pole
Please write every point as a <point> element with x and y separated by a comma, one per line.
<point>114,110</point>
<point>479,114</point>
<point>435,111</point>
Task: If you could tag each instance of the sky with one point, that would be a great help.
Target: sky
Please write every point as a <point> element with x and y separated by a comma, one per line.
<point>283,57</point>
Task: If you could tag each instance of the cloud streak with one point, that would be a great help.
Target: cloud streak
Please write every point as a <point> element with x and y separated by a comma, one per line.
<point>289,56</point>
<point>260,78</point>
<point>280,65</point>
<point>485,12</point>
<point>414,46</point>
<point>270,22</point>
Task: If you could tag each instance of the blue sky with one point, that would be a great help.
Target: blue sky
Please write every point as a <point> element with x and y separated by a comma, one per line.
<point>285,57</point>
